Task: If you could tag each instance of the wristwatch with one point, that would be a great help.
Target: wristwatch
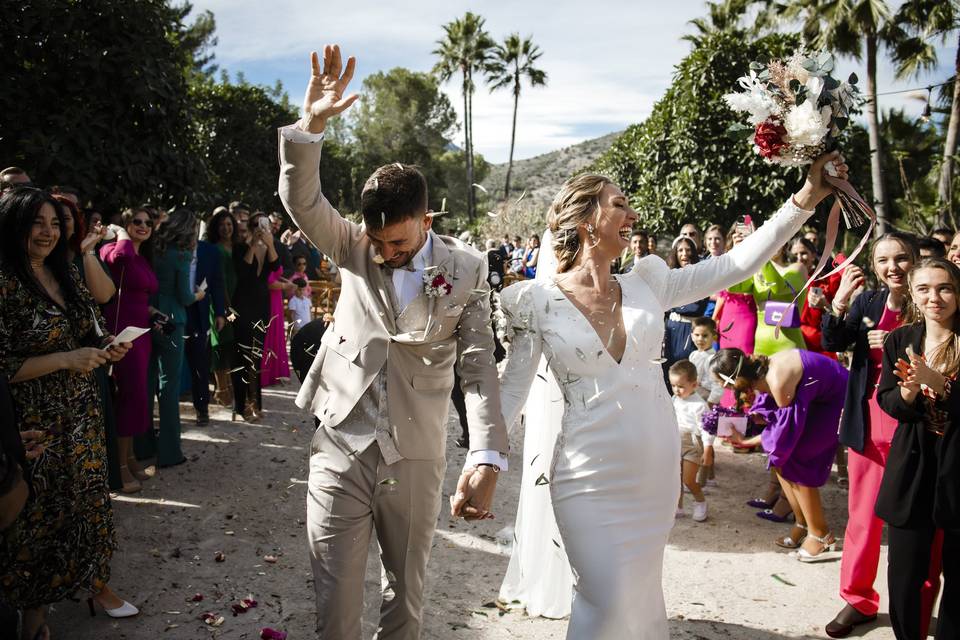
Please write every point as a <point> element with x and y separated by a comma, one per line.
<point>495,468</point>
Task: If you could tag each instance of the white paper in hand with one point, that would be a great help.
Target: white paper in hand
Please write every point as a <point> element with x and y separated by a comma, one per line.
<point>128,335</point>
<point>202,286</point>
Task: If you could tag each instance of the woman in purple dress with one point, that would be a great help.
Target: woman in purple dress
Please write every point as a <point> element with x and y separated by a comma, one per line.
<point>799,395</point>
<point>129,261</point>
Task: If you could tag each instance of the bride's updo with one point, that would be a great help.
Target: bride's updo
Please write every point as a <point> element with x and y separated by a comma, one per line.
<point>577,202</point>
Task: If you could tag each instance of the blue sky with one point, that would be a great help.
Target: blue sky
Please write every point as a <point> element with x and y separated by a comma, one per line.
<point>608,60</point>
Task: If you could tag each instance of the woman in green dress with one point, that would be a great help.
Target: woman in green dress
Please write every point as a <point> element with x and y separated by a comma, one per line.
<point>221,232</point>
<point>50,345</point>
<point>777,281</point>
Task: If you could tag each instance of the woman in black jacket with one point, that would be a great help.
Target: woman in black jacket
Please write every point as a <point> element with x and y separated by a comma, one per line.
<point>920,490</point>
<point>864,428</point>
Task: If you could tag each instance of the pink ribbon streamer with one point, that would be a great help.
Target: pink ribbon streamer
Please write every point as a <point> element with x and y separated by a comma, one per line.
<point>833,231</point>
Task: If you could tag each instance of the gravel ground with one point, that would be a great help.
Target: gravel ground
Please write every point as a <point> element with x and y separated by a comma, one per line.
<point>243,494</point>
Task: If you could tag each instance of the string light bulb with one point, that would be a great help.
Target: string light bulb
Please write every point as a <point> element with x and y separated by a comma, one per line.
<point>925,116</point>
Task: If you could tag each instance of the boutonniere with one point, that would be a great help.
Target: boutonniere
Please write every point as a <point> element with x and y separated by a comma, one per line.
<point>435,283</point>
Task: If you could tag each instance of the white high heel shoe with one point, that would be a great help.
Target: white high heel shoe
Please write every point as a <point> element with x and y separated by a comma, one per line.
<point>126,610</point>
<point>828,550</point>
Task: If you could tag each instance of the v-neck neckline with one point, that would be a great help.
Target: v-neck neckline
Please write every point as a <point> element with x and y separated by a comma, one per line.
<point>596,334</point>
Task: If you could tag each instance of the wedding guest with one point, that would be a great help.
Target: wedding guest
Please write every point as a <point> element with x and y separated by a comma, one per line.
<point>253,261</point>
<point>677,325</point>
<point>930,247</point>
<point>953,252</point>
<point>944,235</point>
<point>638,250</point>
<point>777,283</point>
<point>735,313</point>
<point>14,490</point>
<point>301,307</point>
<point>797,394</point>
<point>221,233</point>
<point>172,258</point>
<point>129,260</point>
<point>865,429</point>
<point>690,230</point>
<point>205,271</point>
<point>530,257</point>
<point>690,407</point>
<point>704,335</point>
<point>13,177</point>
<point>300,273</point>
<point>919,498</point>
<point>275,366</point>
<point>63,539</point>
<point>820,294</point>
<point>714,241</point>
<point>82,252</point>
<point>652,244</point>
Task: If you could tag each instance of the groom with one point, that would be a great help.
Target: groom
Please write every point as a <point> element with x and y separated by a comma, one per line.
<point>413,306</point>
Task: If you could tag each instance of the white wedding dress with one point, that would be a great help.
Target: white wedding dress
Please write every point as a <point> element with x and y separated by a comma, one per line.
<point>615,476</point>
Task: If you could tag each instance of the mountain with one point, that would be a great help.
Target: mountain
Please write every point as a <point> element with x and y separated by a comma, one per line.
<point>541,176</point>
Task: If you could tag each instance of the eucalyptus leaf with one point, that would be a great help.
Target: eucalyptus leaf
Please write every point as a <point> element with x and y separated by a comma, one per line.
<point>830,83</point>
<point>794,85</point>
<point>809,65</point>
<point>841,123</point>
<point>756,66</point>
<point>853,79</point>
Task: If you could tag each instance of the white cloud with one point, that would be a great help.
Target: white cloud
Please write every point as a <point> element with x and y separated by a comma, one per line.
<point>608,60</point>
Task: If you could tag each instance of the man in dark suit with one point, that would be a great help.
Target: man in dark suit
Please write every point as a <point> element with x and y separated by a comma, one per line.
<point>205,267</point>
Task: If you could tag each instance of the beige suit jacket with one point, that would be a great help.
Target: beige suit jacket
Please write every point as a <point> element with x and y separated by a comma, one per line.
<point>420,347</point>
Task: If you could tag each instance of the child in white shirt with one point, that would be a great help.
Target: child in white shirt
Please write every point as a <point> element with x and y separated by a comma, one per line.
<point>703,335</point>
<point>300,305</point>
<point>690,407</point>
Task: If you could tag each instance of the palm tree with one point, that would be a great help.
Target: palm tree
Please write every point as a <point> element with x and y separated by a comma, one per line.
<point>513,61</point>
<point>919,24</point>
<point>855,28</point>
<point>465,49</point>
<point>724,16</point>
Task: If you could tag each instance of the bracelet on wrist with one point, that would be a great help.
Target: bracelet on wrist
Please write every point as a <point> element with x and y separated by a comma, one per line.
<point>495,468</point>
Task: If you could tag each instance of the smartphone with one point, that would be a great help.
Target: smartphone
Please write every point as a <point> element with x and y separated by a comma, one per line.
<point>816,290</point>
<point>264,224</point>
<point>745,225</point>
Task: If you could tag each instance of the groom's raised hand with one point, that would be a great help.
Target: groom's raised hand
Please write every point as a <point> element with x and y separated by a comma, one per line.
<point>324,98</point>
<point>474,495</point>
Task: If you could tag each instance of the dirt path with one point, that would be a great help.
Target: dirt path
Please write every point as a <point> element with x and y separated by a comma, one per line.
<point>243,494</point>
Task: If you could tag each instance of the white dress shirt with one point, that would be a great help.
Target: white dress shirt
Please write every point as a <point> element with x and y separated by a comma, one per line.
<point>408,284</point>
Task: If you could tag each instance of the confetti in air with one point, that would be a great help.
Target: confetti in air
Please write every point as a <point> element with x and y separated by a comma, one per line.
<point>522,196</point>
<point>481,187</point>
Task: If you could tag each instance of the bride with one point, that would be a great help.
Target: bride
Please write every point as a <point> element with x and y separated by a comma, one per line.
<point>616,461</point>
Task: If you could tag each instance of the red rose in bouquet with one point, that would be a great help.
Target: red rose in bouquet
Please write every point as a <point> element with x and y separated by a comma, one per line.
<point>439,282</point>
<point>769,138</point>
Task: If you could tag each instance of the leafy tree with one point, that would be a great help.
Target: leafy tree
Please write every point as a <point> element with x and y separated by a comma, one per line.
<point>857,28</point>
<point>921,24</point>
<point>465,49</point>
<point>451,190</point>
<point>512,62</point>
<point>101,101</point>
<point>403,117</point>
<point>236,134</point>
<point>680,164</point>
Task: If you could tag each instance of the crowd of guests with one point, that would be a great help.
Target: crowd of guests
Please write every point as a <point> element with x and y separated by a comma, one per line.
<point>853,371</point>
<point>210,296</point>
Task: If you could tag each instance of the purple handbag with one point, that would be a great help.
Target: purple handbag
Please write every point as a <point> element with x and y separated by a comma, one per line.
<point>774,311</point>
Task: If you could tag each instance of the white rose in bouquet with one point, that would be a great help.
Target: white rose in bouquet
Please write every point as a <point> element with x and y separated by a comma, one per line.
<point>807,126</point>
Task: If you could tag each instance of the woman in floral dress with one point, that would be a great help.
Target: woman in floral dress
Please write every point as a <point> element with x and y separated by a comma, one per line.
<point>50,343</point>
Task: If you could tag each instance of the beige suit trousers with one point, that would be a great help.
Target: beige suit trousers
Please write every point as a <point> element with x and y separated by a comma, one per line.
<point>349,496</point>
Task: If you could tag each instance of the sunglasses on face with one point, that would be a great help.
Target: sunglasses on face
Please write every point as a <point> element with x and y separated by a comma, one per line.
<point>139,222</point>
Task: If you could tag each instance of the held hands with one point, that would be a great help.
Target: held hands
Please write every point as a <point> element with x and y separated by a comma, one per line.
<point>816,188</point>
<point>474,494</point>
<point>199,294</point>
<point>85,359</point>
<point>32,443</point>
<point>116,352</point>
<point>324,97</point>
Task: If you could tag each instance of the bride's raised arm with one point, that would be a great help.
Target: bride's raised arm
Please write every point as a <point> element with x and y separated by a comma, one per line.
<point>526,346</point>
<point>674,287</point>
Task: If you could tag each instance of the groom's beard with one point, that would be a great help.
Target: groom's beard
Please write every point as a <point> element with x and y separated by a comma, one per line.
<point>406,257</point>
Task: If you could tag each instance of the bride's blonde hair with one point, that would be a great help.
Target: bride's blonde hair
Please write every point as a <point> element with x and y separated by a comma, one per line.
<point>576,203</point>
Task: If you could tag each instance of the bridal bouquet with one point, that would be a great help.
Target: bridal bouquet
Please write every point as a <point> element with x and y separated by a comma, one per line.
<point>797,110</point>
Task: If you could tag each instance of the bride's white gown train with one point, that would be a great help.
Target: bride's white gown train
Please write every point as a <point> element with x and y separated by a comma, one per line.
<point>616,463</point>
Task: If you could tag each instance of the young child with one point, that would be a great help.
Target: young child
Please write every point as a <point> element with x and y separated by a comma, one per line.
<point>703,336</point>
<point>300,305</point>
<point>690,407</point>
